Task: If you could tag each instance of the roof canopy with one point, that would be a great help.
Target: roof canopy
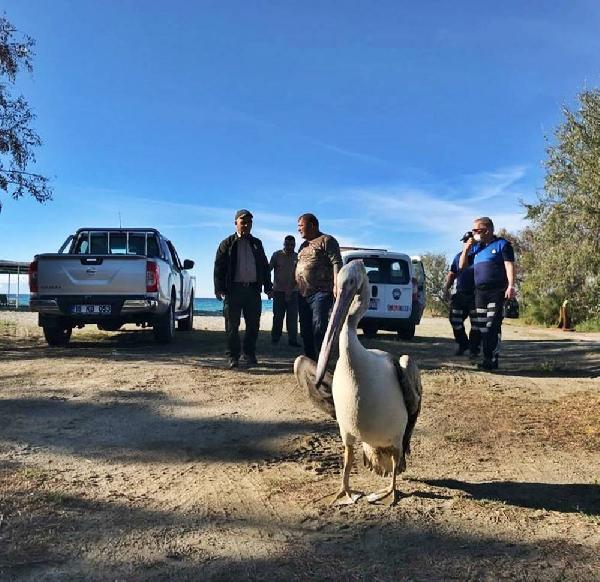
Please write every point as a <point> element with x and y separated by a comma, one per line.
<point>13,267</point>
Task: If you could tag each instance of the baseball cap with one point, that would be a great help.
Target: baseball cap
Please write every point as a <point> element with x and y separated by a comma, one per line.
<point>243,212</point>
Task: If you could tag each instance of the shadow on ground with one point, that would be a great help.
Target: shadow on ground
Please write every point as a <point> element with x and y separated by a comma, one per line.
<point>206,348</point>
<point>563,497</point>
<point>133,430</point>
<point>180,545</point>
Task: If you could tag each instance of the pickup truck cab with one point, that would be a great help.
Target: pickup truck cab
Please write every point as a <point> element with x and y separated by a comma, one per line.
<point>109,277</point>
<point>397,286</point>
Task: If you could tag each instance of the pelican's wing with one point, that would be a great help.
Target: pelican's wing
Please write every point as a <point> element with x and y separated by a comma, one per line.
<point>409,377</point>
<point>305,371</point>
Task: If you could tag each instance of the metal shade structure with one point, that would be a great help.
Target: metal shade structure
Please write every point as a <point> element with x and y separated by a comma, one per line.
<point>9,268</point>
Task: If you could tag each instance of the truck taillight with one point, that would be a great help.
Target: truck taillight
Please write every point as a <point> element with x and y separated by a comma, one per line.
<point>152,277</point>
<point>33,277</point>
<point>415,287</point>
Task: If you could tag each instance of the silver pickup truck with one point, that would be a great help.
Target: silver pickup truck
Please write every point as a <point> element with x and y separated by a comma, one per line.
<point>109,277</point>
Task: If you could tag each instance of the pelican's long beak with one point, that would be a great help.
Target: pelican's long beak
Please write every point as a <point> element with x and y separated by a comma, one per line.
<point>336,321</point>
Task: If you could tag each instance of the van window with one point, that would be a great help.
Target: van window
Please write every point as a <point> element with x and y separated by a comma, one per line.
<point>386,271</point>
<point>399,273</point>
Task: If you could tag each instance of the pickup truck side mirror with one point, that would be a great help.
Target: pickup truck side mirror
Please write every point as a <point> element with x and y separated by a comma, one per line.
<point>187,264</point>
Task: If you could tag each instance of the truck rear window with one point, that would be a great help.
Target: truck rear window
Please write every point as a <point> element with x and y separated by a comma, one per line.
<point>386,271</point>
<point>116,243</point>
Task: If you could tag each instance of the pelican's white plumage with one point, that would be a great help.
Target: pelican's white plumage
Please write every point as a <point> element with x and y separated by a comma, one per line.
<point>377,399</point>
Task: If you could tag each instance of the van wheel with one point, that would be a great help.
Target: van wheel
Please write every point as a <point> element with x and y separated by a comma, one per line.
<point>57,336</point>
<point>407,333</point>
<point>370,331</point>
<point>187,323</point>
<point>164,325</point>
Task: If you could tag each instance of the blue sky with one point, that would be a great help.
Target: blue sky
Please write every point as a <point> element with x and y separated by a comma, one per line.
<point>395,123</point>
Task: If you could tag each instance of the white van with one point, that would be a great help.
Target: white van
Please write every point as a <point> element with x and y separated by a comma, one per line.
<point>397,285</point>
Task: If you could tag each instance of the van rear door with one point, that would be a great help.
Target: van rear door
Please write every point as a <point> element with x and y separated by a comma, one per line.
<point>419,274</point>
<point>390,286</point>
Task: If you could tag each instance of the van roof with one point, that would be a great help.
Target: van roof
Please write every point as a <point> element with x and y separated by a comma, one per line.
<point>375,254</point>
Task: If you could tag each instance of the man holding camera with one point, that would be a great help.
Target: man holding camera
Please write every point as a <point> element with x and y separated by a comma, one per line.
<point>494,276</point>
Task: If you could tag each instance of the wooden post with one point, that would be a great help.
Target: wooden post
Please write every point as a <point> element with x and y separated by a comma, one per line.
<point>18,286</point>
<point>564,319</point>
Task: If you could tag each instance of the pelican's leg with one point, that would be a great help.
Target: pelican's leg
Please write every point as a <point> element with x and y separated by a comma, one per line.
<point>391,490</point>
<point>345,496</point>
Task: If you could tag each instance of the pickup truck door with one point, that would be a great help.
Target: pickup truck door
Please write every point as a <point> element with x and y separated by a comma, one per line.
<point>178,273</point>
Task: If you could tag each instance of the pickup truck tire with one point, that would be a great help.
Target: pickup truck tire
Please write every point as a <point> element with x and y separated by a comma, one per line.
<point>57,336</point>
<point>164,325</point>
<point>187,322</point>
<point>407,333</point>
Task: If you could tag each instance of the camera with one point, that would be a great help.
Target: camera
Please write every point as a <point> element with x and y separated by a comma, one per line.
<point>466,236</point>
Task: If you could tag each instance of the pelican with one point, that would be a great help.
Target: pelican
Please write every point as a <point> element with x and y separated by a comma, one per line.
<point>376,398</point>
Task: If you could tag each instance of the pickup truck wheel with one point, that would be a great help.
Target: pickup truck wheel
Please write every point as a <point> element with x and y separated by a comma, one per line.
<point>164,325</point>
<point>187,323</point>
<point>57,336</point>
<point>407,333</point>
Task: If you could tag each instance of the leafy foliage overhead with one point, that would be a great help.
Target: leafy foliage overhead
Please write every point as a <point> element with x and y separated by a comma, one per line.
<point>17,137</point>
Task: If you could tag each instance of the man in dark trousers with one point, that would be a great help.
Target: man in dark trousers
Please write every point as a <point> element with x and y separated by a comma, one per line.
<point>241,271</point>
<point>285,292</point>
<point>494,274</point>
<point>462,305</point>
<point>319,261</point>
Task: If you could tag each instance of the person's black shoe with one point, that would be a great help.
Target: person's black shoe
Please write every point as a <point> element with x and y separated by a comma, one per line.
<point>461,350</point>
<point>488,365</point>
<point>274,341</point>
<point>233,363</point>
<point>473,355</point>
<point>250,361</point>
<point>295,344</point>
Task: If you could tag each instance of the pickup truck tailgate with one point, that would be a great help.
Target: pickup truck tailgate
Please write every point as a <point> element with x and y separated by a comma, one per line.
<point>91,275</point>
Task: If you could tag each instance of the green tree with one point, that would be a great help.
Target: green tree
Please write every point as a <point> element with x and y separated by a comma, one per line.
<point>17,138</point>
<point>564,259</point>
<point>436,267</point>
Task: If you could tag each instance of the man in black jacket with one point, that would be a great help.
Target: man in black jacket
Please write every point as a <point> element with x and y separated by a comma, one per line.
<point>241,271</point>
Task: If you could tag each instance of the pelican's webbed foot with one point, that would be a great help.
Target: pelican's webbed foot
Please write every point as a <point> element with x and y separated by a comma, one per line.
<point>346,497</point>
<point>379,495</point>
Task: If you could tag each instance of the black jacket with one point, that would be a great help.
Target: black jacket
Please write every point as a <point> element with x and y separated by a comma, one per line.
<point>226,260</point>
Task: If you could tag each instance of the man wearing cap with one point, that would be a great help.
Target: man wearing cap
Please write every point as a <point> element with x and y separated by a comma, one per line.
<point>241,272</point>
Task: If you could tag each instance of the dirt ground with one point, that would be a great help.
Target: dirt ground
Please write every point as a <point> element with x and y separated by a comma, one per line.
<point>124,460</point>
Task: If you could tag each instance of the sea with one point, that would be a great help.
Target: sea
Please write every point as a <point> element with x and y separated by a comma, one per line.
<point>202,305</point>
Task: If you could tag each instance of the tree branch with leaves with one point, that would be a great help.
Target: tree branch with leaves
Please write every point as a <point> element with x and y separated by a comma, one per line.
<point>18,139</point>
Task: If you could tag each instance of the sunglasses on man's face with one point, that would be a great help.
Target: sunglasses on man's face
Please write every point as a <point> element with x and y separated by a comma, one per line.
<point>479,230</point>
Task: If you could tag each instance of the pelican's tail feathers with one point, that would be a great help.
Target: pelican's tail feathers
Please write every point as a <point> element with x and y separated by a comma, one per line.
<point>378,459</point>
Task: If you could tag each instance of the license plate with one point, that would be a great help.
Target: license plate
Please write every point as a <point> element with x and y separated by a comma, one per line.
<point>91,309</point>
<point>373,303</point>
<point>398,307</point>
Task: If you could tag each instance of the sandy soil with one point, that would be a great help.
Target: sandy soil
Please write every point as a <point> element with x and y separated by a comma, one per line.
<point>124,460</point>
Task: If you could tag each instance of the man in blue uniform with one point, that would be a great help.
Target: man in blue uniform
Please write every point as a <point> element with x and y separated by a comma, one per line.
<point>494,274</point>
<point>462,305</point>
